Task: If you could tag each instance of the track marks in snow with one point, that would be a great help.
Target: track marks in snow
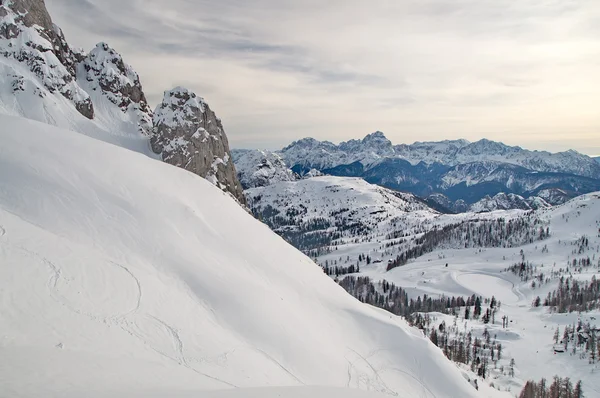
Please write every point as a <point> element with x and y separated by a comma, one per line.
<point>97,289</point>
<point>369,382</point>
<point>2,231</point>
<point>162,338</point>
<point>156,334</point>
<point>276,362</point>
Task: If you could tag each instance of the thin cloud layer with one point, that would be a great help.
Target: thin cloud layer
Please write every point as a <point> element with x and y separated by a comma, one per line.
<point>524,72</point>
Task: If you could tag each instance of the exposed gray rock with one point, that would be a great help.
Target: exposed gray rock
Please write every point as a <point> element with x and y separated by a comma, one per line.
<point>188,134</point>
<point>104,70</point>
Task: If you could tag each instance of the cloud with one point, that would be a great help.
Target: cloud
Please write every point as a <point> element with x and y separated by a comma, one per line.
<point>275,71</point>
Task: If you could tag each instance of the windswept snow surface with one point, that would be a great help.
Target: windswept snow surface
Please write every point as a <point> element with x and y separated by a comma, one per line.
<point>123,275</point>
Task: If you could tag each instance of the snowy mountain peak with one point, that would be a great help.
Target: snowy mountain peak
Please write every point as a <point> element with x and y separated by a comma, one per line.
<point>188,134</point>
<point>180,106</point>
<point>103,71</point>
<point>35,57</point>
<point>377,136</point>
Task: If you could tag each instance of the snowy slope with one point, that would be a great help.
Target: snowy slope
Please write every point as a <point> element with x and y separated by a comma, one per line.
<point>113,282</point>
<point>338,207</point>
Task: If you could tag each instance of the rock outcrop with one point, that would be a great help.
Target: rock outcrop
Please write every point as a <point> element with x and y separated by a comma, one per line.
<point>188,134</point>
<point>103,70</point>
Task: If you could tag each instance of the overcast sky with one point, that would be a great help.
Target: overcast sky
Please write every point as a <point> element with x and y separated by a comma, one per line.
<point>525,72</point>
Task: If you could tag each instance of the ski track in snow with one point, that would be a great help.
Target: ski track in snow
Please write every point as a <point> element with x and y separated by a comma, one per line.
<point>276,362</point>
<point>138,325</point>
<point>2,231</point>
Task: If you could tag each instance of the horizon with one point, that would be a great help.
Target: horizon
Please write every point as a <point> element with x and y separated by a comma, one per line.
<point>337,143</point>
<point>519,73</point>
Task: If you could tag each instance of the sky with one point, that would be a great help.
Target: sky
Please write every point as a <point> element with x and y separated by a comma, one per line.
<point>522,72</point>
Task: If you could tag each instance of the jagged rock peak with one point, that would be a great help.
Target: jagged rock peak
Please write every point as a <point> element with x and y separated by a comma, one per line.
<point>30,37</point>
<point>105,71</point>
<point>181,106</point>
<point>188,134</point>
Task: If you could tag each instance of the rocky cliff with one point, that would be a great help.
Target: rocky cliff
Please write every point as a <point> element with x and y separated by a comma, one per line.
<point>188,134</point>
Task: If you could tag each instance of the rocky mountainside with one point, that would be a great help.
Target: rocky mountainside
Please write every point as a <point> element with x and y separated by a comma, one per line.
<point>509,201</point>
<point>100,95</point>
<point>597,159</point>
<point>310,153</point>
<point>188,134</point>
<point>28,37</point>
<point>104,73</point>
<point>259,168</point>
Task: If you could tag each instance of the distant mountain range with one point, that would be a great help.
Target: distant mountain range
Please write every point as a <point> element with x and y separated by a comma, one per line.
<point>463,172</point>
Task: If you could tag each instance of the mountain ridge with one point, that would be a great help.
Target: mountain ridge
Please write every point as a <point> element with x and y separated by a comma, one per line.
<point>457,169</point>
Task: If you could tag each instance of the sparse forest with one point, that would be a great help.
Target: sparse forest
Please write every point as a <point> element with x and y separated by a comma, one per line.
<point>559,388</point>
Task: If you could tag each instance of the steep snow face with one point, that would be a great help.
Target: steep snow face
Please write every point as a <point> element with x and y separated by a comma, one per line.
<point>509,201</point>
<point>116,284</point>
<point>259,168</point>
<point>35,58</point>
<point>104,73</point>
<point>188,134</point>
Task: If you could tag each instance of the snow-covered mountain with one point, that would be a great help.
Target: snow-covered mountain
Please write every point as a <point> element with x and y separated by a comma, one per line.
<point>597,159</point>
<point>127,285</point>
<point>259,168</point>
<point>503,201</point>
<point>319,211</point>
<point>309,153</point>
<point>500,201</point>
<point>98,94</point>
<point>458,169</point>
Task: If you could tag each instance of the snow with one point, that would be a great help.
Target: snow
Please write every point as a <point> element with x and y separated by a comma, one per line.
<point>122,275</point>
